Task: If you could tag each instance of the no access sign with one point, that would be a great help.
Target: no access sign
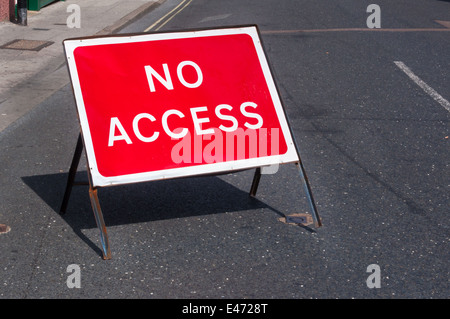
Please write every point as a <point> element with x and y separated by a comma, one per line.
<point>166,105</point>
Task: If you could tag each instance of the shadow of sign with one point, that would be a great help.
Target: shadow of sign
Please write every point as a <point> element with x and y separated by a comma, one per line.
<point>142,202</point>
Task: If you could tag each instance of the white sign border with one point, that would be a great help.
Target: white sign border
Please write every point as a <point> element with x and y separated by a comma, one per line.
<point>200,169</point>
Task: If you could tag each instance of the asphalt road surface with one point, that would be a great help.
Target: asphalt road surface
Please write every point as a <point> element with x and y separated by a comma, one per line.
<point>369,109</point>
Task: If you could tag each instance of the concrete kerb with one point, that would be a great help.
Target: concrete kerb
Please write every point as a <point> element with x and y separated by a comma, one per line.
<point>129,18</point>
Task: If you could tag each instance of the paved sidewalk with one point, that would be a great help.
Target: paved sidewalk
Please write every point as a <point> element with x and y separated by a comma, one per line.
<point>28,77</point>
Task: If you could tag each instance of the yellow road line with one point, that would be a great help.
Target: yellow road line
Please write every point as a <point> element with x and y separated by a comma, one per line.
<point>167,15</point>
<point>355,30</point>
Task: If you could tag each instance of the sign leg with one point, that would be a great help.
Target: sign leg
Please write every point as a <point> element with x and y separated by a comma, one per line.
<point>309,195</point>
<point>100,222</point>
<point>255,182</point>
<point>72,173</point>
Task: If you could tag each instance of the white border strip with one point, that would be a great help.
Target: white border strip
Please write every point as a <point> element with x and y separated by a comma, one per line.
<point>99,181</point>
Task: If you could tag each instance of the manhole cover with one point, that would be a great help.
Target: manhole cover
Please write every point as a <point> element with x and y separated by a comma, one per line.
<point>4,229</point>
<point>297,219</point>
<point>31,45</point>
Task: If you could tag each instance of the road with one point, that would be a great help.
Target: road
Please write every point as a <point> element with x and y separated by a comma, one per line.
<point>373,138</point>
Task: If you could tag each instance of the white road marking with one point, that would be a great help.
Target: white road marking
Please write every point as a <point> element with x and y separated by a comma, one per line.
<point>428,89</point>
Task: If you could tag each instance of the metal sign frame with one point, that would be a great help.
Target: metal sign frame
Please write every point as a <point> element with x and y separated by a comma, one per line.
<point>96,180</point>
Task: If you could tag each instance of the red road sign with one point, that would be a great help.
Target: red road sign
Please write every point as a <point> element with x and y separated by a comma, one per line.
<point>166,105</point>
